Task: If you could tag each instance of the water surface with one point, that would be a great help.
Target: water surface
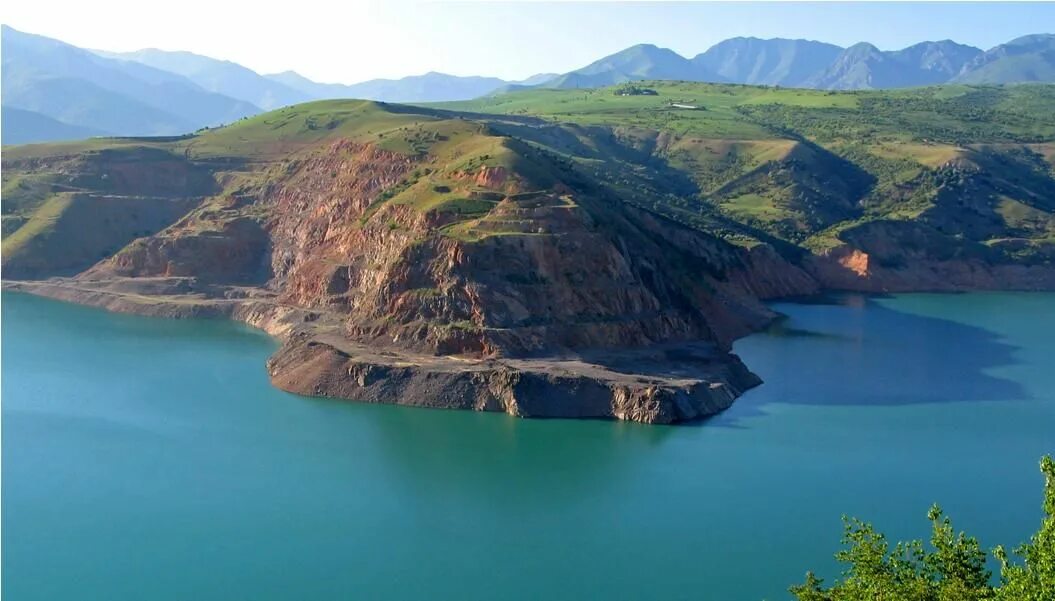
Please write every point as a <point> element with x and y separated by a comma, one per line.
<point>150,459</point>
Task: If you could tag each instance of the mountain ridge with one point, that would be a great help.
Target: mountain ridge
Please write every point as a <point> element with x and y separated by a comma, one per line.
<point>774,61</point>
<point>636,63</point>
<point>817,65</point>
<point>216,75</point>
<point>45,76</point>
<point>155,92</point>
<point>1027,58</point>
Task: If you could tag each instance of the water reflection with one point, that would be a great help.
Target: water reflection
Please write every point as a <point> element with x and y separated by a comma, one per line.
<point>854,350</point>
<point>204,482</point>
<point>486,458</point>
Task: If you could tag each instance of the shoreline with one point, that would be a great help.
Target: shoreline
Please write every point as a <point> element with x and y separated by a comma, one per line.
<point>668,383</point>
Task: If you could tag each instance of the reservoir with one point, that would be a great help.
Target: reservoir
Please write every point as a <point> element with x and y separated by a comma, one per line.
<point>151,459</point>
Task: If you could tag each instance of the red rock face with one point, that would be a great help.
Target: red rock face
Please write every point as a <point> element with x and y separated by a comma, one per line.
<point>557,269</point>
<point>903,257</point>
<point>544,272</point>
<point>321,248</point>
<point>231,253</point>
<point>544,276</point>
<point>491,177</point>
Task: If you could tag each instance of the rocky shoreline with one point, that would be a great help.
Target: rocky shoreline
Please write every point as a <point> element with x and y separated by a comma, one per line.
<point>660,385</point>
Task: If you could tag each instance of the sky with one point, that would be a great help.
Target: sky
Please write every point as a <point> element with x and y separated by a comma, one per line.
<point>348,42</point>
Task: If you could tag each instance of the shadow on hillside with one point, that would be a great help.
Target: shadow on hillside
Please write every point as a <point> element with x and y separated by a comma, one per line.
<point>439,113</point>
<point>850,350</point>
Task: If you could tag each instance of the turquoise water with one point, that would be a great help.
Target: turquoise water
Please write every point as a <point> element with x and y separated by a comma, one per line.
<point>150,459</point>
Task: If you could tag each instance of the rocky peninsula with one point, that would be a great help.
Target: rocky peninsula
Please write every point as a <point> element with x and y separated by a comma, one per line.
<point>459,260</point>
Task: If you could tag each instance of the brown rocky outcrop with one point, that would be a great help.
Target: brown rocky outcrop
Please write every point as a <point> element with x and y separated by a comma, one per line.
<point>553,387</point>
<point>885,256</point>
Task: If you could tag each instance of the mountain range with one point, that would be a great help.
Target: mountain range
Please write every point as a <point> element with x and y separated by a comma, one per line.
<point>81,89</point>
<point>53,90</point>
<point>811,64</point>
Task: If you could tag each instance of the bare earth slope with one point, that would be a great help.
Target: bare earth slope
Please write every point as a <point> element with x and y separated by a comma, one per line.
<point>588,267</point>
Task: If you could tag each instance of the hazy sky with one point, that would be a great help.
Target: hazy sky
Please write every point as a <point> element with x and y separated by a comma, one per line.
<point>348,42</point>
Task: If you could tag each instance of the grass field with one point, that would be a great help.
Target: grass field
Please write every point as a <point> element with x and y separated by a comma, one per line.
<point>748,163</point>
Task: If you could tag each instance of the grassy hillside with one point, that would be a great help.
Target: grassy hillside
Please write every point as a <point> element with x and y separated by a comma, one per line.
<point>979,112</point>
<point>931,172</point>
<point>804,165</point>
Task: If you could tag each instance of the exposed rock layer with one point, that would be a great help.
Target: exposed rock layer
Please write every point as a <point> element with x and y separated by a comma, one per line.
<point>662,385</point>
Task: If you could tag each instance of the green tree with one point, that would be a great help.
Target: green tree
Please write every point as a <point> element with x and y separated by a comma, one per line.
<point>1034,579</point>
<point>951,568</point>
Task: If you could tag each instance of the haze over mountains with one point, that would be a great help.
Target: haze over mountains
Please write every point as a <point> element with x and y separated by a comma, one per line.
<point>80,89</point>
<point>53,90</point>
<point>810,64</point>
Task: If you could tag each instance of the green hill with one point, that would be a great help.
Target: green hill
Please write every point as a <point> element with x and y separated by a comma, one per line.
<point>922,174</point>
<point>807,167</point>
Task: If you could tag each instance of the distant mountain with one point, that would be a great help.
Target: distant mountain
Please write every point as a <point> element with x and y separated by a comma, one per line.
<point>81,89</point>
<point>931,63</point>
<point>536,79</point>
<point>1027,59</point>
<point>540,80</point>
<point>643,61</point>
<point>302,84</point>
<point>59,89</point>
<point>810,64</point>
<point>81,103</point>
<point>863,66</point>
<point>767,62</point>
<point>430,87</point>
<point>21,127</point>
<point>223,77</point>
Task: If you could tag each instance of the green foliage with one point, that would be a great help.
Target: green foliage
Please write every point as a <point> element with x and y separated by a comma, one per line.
<point>954,115</point>
<point>632,90</point>
<point>788,167</point>
<point>948,114</point>
<point>465,206</point>
<point>950,568</point>
<point>1034,579</point>
<point>41,222</point>
<point>800,166</point>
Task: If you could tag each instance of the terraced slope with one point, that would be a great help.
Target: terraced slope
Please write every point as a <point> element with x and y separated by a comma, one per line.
<point>907,183</point>
<point>558,253</point>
